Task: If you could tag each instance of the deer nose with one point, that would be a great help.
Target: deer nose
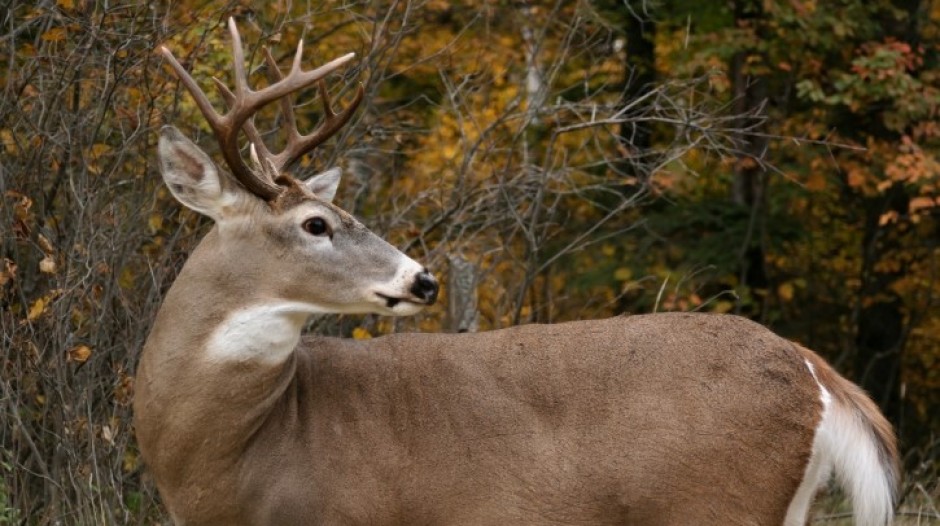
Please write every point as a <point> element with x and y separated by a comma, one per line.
<point>425,287</point>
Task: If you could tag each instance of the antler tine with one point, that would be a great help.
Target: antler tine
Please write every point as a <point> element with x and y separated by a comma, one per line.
<point>298,145</point>
<point>201,100</point>
<point>245,102</point>
<point>238,57</point>
<point>275,75</point>
<point>254,137</point>
<point>241,118</point>
<point>296,80</point>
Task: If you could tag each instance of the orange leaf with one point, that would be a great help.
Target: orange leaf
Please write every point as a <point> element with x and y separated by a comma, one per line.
<point>56,34</point>
<point>856,177</point>
<point>80,354</point>
<point>45,244</point>
<point>816,181</point>
<point>7,271</point>
<point>888,217</point>
<point>920,203</point>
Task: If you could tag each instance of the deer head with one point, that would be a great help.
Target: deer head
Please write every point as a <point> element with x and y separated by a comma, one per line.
<point>284,236</point>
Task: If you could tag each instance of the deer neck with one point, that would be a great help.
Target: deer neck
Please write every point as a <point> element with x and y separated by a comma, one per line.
<point>218,358</point>
<point>217,315</point>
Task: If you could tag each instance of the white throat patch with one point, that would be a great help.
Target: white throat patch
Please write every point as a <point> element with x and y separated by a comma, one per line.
<point>266,332</point>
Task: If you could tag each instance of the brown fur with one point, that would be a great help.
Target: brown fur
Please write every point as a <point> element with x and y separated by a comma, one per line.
<point>660,419</point>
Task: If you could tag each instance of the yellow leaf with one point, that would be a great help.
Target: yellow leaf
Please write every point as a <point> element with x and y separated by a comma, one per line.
<point>94,154</point>
<point>155,221</point>
<point>360,334</point>
<point>126,279</point>
<point>99,149</point>
<point>55,34</point>
<point>130,461</point>
<point>36,309</point>
<point>785,291</point>
<point>80,354</point>
<point>723,306</point>
<point>66,4</point>
<point>6,137</point>
<point>623,274</point>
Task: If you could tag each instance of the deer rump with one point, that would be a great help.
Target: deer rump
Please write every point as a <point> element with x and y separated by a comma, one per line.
<point>659,419</point>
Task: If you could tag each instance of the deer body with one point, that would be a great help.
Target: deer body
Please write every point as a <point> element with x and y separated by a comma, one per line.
<point>653,420</point>
<point>660,419</point>
<point>577,423</point>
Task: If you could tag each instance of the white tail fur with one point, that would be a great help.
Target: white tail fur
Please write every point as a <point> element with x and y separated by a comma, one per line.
<point>849,445</point>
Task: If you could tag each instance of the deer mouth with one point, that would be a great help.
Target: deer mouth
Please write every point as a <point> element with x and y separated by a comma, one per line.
<point>399,306</point>
<point>408,294</point>
<point>391,301</point>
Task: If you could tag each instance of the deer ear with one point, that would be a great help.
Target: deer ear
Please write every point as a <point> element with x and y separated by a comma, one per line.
<point>324,185</point>
<point>191,175</point>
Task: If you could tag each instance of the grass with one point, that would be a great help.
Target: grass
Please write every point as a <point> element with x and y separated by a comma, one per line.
<point>920,506</point>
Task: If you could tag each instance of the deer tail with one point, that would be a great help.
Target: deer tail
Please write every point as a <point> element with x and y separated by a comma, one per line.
<point>856,443</point>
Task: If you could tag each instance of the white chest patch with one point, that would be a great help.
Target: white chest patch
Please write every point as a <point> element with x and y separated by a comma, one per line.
<point>266,332</point>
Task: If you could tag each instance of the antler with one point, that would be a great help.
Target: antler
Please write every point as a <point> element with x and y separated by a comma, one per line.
<point>245,102</point>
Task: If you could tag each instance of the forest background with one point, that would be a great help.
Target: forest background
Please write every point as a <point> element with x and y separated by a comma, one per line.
<point>551,161</point>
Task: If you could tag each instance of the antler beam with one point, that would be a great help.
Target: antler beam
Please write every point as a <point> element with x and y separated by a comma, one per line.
<point>245,102</point>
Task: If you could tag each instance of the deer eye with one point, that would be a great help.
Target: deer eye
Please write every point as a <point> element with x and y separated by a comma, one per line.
<point>316,226</point>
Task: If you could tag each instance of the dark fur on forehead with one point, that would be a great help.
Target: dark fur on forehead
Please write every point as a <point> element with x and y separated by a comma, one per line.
<point>295,193</point>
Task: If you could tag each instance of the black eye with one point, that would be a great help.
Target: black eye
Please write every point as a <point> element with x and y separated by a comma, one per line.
<point>316,226</point>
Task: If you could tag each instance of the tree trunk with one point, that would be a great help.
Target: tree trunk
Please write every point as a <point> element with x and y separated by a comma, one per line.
<point>749,184</point>
<point>639,77</point>
<point>462,311</point>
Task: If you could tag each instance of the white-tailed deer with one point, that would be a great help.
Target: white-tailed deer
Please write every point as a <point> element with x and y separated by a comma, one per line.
<point>660,419</point>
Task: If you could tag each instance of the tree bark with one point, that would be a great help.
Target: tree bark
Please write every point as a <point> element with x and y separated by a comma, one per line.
<point>639,77</point>
<point>750,180</point>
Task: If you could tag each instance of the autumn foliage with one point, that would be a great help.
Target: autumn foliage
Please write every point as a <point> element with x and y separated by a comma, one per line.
<point>584,159</point>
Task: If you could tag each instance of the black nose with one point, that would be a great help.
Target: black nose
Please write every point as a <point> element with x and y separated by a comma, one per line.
<point>425,287</point>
